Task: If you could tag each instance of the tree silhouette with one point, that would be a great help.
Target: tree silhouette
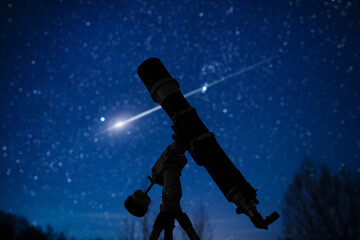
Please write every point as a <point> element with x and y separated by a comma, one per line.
<point>202,224</point>
<point>146,227</point>
<point>322,205</point>
<point>135,229</point>
<point>140,229</point>
<point>13,227</point>
<point>128,231</point>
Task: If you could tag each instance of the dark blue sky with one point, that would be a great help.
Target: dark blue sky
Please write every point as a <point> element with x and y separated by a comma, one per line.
<point>67,64</point>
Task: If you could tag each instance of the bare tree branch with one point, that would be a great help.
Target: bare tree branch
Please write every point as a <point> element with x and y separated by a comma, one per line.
<point>322,205</point>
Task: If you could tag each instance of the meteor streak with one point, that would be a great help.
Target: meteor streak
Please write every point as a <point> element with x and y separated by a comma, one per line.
<point>120,124</point>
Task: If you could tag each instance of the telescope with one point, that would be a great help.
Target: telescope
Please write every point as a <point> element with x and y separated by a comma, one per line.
<point>190,134</point>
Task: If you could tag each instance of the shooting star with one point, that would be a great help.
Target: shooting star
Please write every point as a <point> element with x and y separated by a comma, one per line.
<point>203,89</point>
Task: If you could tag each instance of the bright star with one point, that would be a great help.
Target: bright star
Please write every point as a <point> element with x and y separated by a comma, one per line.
<point>204,88</point>
<point>119,124</point>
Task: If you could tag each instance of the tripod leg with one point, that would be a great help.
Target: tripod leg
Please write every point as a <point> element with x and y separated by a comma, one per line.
<point>164,221</point>
<point>186,224</point>
<point>155,233</point>
<point>169,228</point>
<point>158,227</point>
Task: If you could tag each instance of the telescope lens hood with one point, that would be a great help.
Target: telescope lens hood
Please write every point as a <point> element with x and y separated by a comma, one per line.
<point>152,70</point>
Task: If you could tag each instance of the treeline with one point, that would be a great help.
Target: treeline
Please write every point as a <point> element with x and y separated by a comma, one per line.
<point>319,205</point>
<point>13,227</point>
<point>141,229</point>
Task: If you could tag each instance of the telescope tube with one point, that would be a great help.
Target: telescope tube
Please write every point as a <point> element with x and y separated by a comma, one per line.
<point>199,142</point>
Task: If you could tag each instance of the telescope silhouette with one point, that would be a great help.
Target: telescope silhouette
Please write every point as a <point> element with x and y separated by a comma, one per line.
<point>191,135</point>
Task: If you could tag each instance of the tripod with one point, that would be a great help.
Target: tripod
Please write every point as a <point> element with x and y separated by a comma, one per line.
<point>166,172</point>
<point>165,221</point>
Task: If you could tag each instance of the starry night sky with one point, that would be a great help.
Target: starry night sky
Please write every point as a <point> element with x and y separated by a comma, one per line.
<point>68,73</point>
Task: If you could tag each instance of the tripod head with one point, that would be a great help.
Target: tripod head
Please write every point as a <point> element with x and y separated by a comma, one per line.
<point>165,172</point>
<point>200,143</point>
